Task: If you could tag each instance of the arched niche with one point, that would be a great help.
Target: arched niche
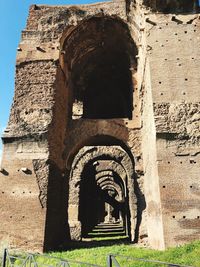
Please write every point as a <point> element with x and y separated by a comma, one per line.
<point>98,57</point>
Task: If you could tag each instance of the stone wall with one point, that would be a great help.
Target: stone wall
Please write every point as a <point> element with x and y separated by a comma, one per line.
<point>46,129</point>
<point>174,56</point>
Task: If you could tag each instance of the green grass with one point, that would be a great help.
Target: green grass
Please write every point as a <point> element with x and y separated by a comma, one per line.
<point>185,255</point>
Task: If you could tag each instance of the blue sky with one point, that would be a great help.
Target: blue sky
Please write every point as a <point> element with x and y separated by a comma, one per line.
<point>13,15</point>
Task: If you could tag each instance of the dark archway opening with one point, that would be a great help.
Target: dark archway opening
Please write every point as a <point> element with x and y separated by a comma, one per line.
<point>103,211</point>
<point>108,86</point>
<point>102,195</point>
<point>100,57</point>
<point>91,209</point>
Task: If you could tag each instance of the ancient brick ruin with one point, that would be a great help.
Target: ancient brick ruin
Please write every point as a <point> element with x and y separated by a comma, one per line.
<point>104,125</point>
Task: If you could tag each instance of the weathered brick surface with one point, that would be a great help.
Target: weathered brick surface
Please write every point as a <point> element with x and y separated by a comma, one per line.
<point>47,135</point>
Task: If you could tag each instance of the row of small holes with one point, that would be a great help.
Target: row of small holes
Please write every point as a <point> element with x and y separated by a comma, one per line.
<point>53,48</point>
<point>182,93</point>
<point>186,79</point>
<point>12,216</point>
<point>184,32</point>
<point>164,186</point>
<point>168,24</point>
<point>179,40</point>
<point>191,162</point>
<point>184,217</point>
<point>14,192</point>
<point>178,59</point>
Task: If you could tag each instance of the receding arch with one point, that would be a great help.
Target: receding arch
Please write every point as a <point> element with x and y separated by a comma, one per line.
<point>91,154</point>
<point>110,184</point>
<point>94,138</point>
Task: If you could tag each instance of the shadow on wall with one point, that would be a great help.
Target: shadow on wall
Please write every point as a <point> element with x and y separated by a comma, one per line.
<point>56,228</point>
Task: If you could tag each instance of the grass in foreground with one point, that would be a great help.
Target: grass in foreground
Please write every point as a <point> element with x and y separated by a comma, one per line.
<point>185,255</point>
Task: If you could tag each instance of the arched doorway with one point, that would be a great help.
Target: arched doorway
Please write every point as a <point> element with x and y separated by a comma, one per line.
<point>103,196</point>
<point>101,190</point>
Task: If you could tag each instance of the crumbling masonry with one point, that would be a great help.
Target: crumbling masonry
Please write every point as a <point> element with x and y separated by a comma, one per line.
<point>104,125</point>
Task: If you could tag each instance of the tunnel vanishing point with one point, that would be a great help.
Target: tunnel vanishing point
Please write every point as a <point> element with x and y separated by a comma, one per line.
<point>104,125</point>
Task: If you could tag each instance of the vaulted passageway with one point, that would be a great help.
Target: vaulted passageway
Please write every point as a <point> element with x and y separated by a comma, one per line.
<point>101,191</point>
<point>102,197</point>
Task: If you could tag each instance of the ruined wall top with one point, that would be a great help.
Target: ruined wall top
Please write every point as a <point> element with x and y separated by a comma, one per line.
<point>46,23</point>
<point>53,19</point>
